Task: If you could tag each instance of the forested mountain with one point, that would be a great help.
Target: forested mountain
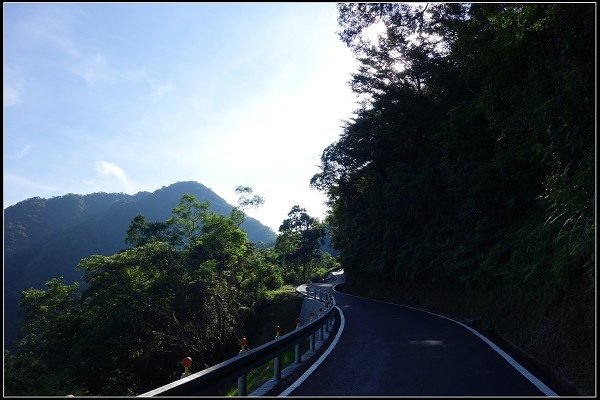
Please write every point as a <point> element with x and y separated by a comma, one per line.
<point>189,283</point>
<point>470,164</point>
<point>46,238</point>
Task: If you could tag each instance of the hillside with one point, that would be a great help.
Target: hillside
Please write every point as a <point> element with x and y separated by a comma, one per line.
<point>45,238</point>
<point>466,182</point>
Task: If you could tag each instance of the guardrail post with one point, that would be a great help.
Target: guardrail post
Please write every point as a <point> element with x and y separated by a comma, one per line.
<point>243,385</point>
<point>243,380</point>
<point>321,327</point>
<point>277,359</point>
<point>277,368</point>
<point>312,342</point>
<point>297,355</point>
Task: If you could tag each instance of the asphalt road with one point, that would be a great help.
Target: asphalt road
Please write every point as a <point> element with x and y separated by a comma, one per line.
<point>391,350</point>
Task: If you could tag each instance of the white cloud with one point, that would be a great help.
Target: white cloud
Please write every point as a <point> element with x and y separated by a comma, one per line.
<point>94,70</point>
<point>108,170</point>
<point>12,96</point>
<point>161,89</point>
<point>92,65</point>
<point>13,84</point>
<point>23,152</point>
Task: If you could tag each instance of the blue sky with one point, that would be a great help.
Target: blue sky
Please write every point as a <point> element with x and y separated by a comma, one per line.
<point>125,97</point>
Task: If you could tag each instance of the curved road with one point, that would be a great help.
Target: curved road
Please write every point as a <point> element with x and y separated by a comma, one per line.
<point>392,350</point>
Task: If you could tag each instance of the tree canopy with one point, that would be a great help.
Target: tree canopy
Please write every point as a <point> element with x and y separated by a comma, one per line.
<point>471,156</point>
<point>176,292</point>
<point>299,242</point>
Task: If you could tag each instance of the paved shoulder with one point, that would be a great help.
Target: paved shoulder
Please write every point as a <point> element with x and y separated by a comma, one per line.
<point>390,350</point>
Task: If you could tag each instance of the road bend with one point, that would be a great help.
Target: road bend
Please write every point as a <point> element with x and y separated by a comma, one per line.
<point>392,350</point>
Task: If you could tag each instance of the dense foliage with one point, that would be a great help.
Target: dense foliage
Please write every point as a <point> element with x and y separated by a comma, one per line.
<point>46,238</point>
<point>181,290</point>
<point>299,243</point>
<point>186,287</point>
<point>471,158</point>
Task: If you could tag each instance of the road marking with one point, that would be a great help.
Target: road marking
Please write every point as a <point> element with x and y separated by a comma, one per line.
<point>320,360</point>
<point>539,384</point>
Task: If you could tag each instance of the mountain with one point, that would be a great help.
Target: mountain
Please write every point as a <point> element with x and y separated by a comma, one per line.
<point>46,238</point>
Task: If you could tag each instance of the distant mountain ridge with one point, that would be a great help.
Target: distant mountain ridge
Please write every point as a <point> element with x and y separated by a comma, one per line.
<point>46,238</point>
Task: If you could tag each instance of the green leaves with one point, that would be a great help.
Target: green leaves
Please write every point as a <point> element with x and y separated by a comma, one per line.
<point>473,163</point>
<point>176,292</point>
<point>187,217</point>
<point>299,242</point>
<point>245,201</point>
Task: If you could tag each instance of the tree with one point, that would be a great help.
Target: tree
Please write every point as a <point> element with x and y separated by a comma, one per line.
<point>51,317</point>
<point>141,232</point>
<point>142,308</point>
<point>300,239</point>
<point>187,218</point>
<point>287,246</point>
<point>460,164</point>
<point>244,202</point>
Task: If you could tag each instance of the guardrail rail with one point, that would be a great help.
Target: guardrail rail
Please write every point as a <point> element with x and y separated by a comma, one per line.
<point>204,382</point>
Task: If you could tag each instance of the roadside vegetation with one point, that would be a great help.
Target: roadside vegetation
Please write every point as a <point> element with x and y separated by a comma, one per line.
<point>190,286</point>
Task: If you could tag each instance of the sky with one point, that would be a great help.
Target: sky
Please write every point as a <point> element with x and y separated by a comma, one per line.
<point>129,97</point>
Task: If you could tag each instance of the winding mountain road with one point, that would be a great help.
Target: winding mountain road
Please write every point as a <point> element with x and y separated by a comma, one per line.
<point>392,350</point>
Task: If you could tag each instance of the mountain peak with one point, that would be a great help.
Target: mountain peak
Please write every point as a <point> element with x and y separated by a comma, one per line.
<point>45,238</point>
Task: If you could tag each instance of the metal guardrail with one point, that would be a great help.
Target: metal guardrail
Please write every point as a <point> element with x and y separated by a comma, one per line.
<point>205,381</point>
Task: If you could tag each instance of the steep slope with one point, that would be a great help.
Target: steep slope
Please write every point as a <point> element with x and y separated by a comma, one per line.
<point>46,238</point>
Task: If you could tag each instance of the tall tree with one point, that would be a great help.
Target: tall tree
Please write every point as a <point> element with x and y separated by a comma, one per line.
<point>187,218</point>
<point>141,232</point>
<point>245,201</point>
<point>142,308</point>
<point>300,239</point>
<point>460,163</point>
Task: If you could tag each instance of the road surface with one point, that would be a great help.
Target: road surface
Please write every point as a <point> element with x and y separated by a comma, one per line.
<point>391,350</point>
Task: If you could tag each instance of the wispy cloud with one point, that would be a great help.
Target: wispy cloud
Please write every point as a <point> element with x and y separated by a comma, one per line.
<point>93,64</point>
<point>11,97</point>
<point>94,70</point>
<point>23,152</point>
<point>29,184</point>
<point>97,69</point>
<point>109,171</point>
<point>13,85</point>
<point>161,89</point>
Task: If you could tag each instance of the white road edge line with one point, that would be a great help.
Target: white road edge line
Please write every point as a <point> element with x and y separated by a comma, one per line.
<point>320,360</point>
<point>539,384</point>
